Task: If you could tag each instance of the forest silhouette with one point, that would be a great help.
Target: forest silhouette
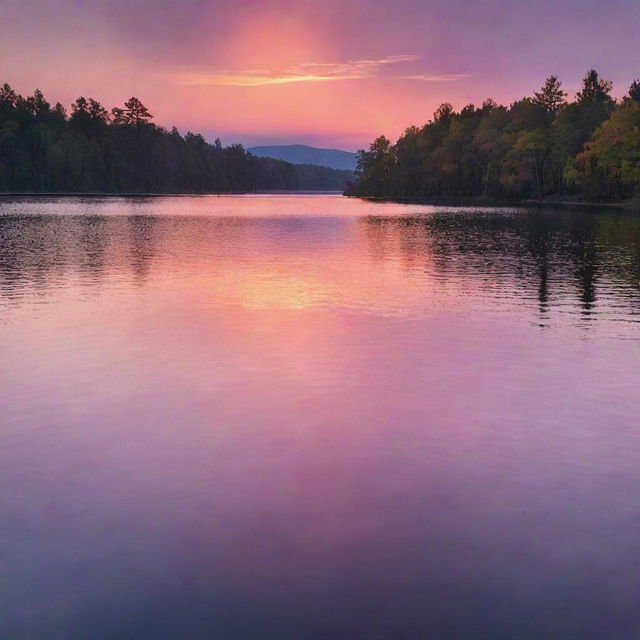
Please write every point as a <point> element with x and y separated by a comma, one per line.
<point>539,147</point>
<point>93,150</point>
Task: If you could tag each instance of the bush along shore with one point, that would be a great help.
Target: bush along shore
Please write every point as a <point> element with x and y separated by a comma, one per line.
<point>45,149</point>
<point>540,148</point>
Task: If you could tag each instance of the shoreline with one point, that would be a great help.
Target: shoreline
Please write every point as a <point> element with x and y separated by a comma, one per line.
<point>190,194</point>
<point>448,202</point>
<point>482,202</point>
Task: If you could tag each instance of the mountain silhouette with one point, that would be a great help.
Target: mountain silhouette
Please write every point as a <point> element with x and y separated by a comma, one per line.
<point>304,154</point>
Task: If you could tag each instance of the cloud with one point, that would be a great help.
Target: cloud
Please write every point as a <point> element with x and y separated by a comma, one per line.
<point>305,72</point>
<point>446,77</point>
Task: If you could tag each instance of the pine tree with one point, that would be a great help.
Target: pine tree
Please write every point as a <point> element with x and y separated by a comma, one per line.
<point>551,96</point>
<point>594,88</point>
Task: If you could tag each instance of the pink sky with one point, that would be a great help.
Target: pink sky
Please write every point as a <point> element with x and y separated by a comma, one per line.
<point>329,73</point>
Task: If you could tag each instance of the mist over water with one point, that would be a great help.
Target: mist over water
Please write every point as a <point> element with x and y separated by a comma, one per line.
<point>317,417</point>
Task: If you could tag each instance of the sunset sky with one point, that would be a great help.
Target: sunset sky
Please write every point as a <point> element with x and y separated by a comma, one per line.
<point>328,73</point>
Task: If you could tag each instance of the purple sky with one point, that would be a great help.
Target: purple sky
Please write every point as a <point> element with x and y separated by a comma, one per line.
<point>331,73</point>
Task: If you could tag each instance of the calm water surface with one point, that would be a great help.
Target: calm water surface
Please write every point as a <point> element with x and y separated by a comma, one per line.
<point>314,417</point>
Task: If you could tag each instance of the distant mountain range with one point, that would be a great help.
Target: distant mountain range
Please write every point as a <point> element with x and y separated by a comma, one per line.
<point>304,154</point>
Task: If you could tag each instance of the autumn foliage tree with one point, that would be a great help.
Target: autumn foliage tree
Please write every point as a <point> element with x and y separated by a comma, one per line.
<point>538,147</point>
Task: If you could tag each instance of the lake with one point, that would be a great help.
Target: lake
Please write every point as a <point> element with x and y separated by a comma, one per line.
<point>298,417</point>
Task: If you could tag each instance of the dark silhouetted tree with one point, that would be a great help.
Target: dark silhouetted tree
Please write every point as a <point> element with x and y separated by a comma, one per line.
<point>42,150</point>
<point>136,113</point>
<point>443,114</point>
<point>97,112</point>
<point>594,89</point>
<point>551,96</point>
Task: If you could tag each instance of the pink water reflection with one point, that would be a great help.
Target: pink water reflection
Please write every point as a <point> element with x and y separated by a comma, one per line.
<point>318,425</point>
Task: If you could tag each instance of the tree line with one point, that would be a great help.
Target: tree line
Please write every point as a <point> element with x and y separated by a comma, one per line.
<point>541,146</point>
<point>91,149</point>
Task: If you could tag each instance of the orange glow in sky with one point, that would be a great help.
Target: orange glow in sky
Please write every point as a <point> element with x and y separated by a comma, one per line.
<point>331,73</point>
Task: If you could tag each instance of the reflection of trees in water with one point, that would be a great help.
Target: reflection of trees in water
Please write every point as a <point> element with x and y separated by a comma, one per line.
<point>547,255</point>
<point>539,253</point>
<point>38,251</point>
<point>33,250</point>
<point>93,240</point>
<point>41,252</point>
<point>142,244</point>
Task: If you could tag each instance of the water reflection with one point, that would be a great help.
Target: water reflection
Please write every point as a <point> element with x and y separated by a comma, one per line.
<point>551,254</point>
<point>569,261</point>
<point>318,418</point>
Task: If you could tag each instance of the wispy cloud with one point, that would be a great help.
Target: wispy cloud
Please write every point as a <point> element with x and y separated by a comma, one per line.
<point>305,72</point>
<point>446,77</point>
